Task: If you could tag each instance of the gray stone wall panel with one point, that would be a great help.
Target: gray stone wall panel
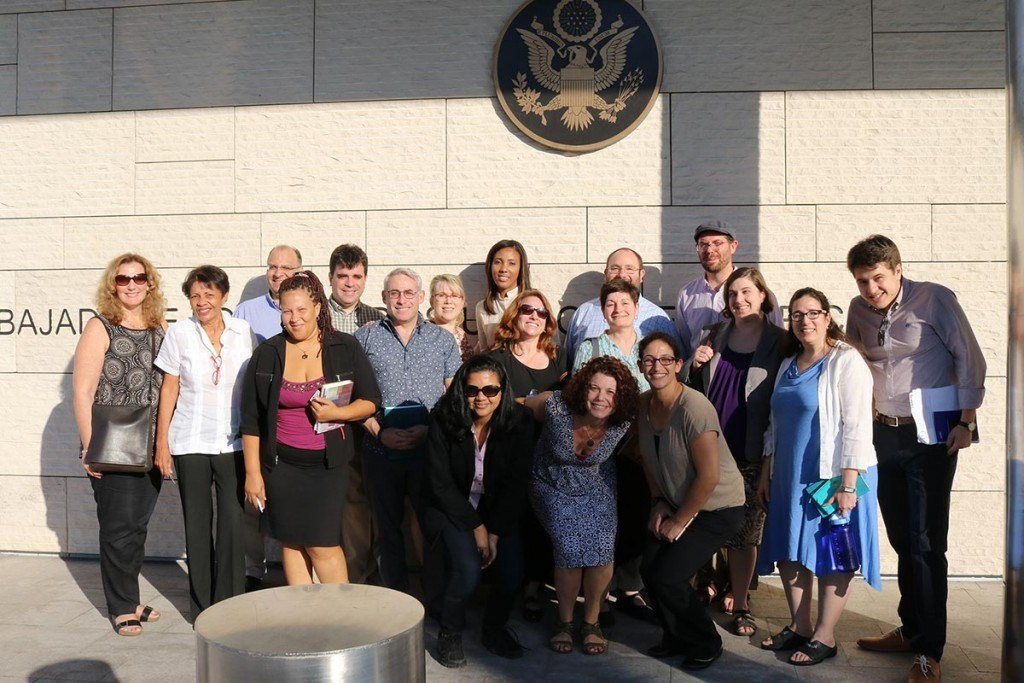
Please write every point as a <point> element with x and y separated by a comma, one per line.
<point>959,59</point>
<point>8,90</point>
<point>16,6</point>
<point>96,4</point>
<point>938,15</point>
<point>395,49</point>
<point>8,40</point>
<point>64,62</point>
<point>223,53</point>
<point>713,46</point>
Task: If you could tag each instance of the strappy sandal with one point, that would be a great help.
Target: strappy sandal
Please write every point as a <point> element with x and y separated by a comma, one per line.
<point>593,648</point>
<point>557,643</point>
<point>149,614</point>
<point>121,627</point>
<point>743,621</point>
<point>784,640</point>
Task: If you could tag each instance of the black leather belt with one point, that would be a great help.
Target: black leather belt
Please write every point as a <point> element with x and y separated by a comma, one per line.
<point>891,421</point>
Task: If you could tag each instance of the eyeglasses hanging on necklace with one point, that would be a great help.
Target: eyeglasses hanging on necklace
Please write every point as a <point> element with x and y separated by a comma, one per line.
<point>217,363</point>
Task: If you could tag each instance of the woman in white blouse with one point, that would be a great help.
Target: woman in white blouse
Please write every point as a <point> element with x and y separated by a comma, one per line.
<point>204,358</point>
<point>506,272</point>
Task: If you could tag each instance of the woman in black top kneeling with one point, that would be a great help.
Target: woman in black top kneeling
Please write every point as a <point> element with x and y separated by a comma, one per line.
<point>479,455</point>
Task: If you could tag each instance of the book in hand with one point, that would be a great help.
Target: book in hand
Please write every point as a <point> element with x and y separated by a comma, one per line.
<point>936,411</point>
<point>822,490</point>
<point>340,394</point>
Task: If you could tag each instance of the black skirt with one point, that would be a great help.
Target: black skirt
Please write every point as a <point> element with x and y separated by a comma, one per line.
<point>305,498</point>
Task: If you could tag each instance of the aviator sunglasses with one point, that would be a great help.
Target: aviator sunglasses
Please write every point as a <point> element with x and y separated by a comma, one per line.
<point>138,278</point>
<point>490,391</point>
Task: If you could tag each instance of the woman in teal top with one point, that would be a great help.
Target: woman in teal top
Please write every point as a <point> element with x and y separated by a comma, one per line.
<point>619,301</point>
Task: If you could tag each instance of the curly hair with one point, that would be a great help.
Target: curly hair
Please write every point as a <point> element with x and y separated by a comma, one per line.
<point>627,393</point>
<point>109,306</point>
<point>506,336</point>
<point>834,333</point>
<point>309,283</point>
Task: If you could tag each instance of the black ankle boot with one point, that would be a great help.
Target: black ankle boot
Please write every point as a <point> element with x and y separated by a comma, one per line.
<point>449,650</point>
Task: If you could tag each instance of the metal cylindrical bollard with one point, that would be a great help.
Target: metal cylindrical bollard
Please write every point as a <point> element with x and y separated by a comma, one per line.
<point>334,632</point>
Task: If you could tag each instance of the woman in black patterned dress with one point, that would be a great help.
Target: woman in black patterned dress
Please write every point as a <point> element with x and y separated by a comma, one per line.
<point>573,488</point>
<point>114,366</point>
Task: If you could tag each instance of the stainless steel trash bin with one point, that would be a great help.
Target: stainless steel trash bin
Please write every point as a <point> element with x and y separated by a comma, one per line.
<point>334,632</point>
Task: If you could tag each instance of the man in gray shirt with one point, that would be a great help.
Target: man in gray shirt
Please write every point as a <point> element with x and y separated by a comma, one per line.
<point>914,335</point>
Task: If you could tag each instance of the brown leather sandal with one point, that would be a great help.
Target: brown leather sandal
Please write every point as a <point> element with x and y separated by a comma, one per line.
<point>558,642</point>
<point>593,647</point>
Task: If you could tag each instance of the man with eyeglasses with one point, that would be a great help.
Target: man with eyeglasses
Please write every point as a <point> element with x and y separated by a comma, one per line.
<point>702,300</point>
<point>348,268</point>
<point>414,361</point>
<point>588,320</point>
<point>914,335</point>
<point>263,314</point>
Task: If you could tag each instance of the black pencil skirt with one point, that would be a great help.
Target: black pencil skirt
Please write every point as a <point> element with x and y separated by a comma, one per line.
<point>305,498</point>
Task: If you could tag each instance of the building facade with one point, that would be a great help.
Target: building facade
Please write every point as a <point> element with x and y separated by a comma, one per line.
<point>208,131</point>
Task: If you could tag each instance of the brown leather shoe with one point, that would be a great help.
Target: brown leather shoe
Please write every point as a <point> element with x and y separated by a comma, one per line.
<point>924,668</point>
<point>893,641</point>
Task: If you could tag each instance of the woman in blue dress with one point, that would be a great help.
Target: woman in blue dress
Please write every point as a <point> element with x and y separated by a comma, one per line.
<point>820,429</point>
<point>573,488</point>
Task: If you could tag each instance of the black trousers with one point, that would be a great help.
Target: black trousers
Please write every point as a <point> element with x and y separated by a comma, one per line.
<point>633,506</point>
<point>453,562</point>
<point>124,504</point>
<point>914,485</point>
<point>667,569</point>
<point>388,482</point>
<point>216,570</point>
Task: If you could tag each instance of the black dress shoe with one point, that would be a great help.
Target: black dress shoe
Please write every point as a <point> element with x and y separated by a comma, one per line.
<point>691,663</point>
<point>253,584</point>
<point>664,649</point>
<point>502,642</point>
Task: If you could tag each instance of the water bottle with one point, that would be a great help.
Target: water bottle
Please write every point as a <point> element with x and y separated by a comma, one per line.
<point>843,545</point>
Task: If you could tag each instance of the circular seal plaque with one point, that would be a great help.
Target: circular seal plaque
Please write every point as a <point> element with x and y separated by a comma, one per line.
<point>577,75</point>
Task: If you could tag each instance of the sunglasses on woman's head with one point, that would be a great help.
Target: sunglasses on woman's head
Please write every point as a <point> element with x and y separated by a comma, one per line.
<point>138,278</point>
<point>527,309</point>
<point>490,391</point>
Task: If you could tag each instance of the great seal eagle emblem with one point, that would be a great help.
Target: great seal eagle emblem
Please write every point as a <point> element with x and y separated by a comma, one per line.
<point>577,75</point>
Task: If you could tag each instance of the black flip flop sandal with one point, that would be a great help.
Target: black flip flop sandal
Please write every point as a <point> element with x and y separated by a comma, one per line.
<point>785,640</point>
<point>147,613</point>
<point>119,627</point>
<point>817,651</point>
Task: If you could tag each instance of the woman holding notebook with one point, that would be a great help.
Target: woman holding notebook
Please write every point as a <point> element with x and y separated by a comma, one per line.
<point>294,471</point>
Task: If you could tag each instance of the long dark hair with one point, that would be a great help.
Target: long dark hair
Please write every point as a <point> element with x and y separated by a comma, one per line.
<point>522,282</point>
<point>791,345</point>
<point>309,283</point>
<point>452,411</point>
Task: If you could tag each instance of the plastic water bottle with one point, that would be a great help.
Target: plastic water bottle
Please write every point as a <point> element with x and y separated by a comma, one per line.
<point>843,544</point>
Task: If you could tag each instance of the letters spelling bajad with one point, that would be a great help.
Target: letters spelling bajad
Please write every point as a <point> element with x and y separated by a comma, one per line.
<point>578,82</point>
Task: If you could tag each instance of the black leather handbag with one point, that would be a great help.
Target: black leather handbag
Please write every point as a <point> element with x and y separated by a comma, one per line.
<point>122,436</point>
